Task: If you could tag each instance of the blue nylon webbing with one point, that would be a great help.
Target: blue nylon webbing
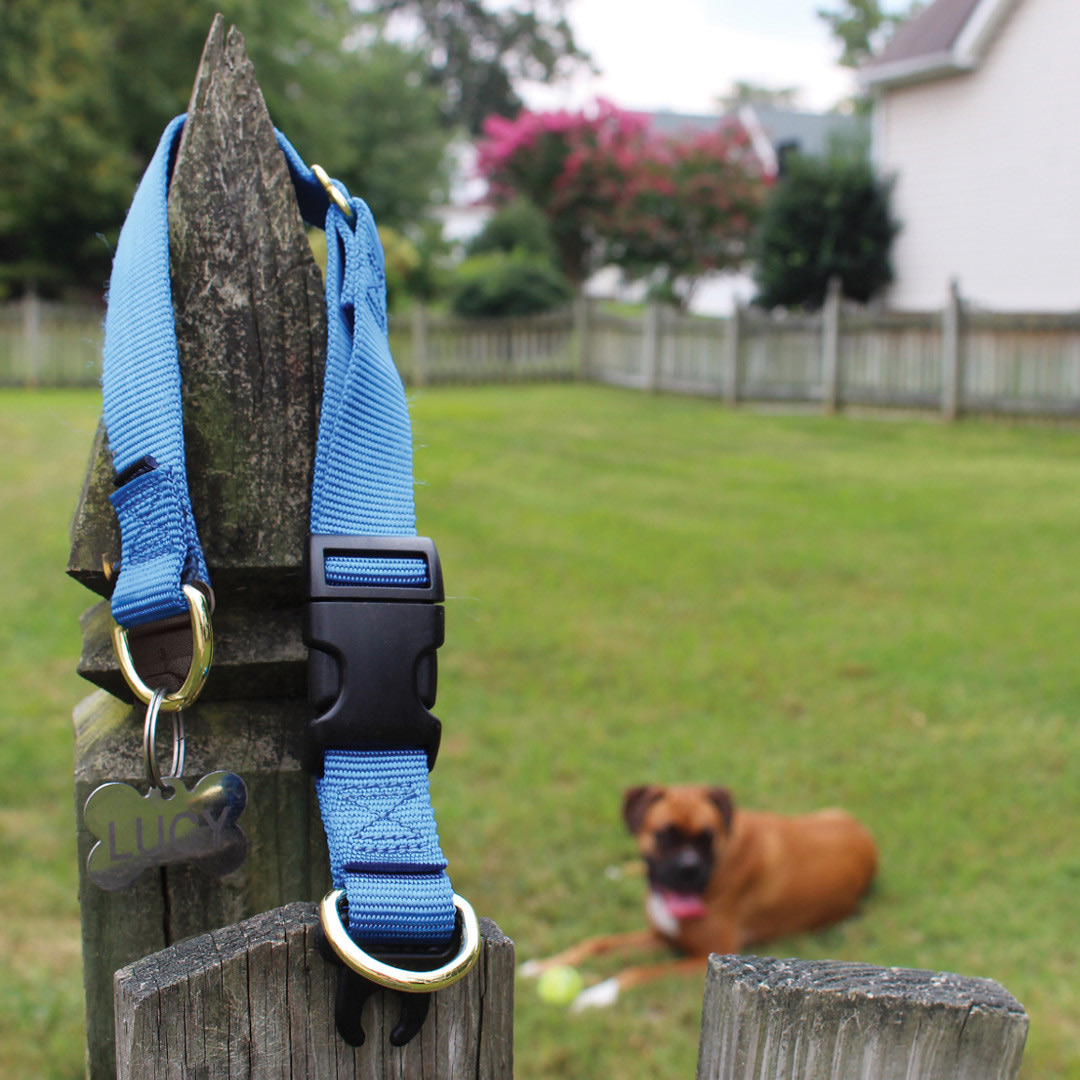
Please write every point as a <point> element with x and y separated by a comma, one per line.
<point>143,413</point>
<point>376,806</point>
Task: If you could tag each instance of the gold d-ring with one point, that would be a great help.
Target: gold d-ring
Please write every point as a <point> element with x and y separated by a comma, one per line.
<point>202,653</point>
<point>336,197</point>
<point>412,982</point>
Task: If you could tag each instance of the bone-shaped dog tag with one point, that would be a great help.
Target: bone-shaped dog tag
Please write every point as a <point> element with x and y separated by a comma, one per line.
<point>135,832</point>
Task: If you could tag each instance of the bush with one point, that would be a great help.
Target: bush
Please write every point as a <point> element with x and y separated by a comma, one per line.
<point>825,218</point>
<point>402,260</point>
<point>413,267</point>
<point>502,283</point>
<point>520,225</point>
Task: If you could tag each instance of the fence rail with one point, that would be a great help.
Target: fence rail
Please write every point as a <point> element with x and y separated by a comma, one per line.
<point>44,343</point>
<point>956,360</point>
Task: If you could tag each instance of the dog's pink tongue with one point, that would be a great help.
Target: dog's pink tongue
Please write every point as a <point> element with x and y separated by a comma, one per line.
<point>684,905</point>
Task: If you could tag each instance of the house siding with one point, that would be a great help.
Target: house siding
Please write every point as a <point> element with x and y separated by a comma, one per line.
<point>987,169</point>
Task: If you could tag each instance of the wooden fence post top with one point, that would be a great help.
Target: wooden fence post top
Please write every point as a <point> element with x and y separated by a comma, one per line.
<point>256,1000</point>
<point>850,981</point>
<point>830,1020</point>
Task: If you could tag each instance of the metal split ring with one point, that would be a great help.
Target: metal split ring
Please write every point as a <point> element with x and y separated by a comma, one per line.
<point>395,978</point>
<point>176,769</point>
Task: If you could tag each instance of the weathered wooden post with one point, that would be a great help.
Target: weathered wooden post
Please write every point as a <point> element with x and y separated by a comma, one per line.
<point>651,345</point>
<point>952,357</point>
<point>732,347</point>
<point>826,1020</point>
<point>256,1001</point>
<point>582,330</point>
<point>419,345</point>
<point>250,324</point>
<point>830,346</point>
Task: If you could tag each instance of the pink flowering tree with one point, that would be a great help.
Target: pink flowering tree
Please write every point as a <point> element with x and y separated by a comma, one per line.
<point>665,209</point>
<point>688,208</point>
<point>573,166</point>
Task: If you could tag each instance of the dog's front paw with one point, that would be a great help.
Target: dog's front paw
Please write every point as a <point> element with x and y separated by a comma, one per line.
<point>532,969</point>
<point>596,997</point>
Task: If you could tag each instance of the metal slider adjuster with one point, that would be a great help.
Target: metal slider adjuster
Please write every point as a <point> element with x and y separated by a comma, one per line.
<point>202,654</point>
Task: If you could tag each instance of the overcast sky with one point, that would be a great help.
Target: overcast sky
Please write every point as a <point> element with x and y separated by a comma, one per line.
<point>682,54</point>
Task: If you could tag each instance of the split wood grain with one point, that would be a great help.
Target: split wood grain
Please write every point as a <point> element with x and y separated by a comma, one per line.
<point>827,1020</point>
<point>256,1000</point>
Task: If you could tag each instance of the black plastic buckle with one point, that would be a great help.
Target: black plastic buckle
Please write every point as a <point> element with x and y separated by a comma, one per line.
<point>372,670</point>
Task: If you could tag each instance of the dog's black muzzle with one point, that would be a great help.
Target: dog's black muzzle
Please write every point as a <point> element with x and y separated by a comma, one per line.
<point>683,871</point>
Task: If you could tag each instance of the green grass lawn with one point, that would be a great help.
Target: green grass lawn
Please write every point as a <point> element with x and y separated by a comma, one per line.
<point>878,615</point>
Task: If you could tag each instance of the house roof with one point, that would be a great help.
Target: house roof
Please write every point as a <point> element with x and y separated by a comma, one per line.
<point>933,30</point>
<point>771,129</point>
<point>812,134</point>
<point>673,123</point>
<point>947,38</point>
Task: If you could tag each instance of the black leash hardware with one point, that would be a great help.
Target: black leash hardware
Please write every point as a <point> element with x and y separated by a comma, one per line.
<point>353,989</point>
<point>372,670</point>
<point>372,679</point>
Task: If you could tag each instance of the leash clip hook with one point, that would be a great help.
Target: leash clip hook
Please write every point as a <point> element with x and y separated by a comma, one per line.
<point>361,974</point>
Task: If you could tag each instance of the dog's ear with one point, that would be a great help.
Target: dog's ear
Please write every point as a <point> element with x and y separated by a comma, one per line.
<point>636,801</point>
<point>724,803</point>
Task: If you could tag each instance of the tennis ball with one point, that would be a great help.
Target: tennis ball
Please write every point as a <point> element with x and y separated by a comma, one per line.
<point>560,985</point>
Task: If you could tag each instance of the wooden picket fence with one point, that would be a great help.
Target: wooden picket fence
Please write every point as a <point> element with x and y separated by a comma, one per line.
<point>958,360</point>
<point>45,343</point>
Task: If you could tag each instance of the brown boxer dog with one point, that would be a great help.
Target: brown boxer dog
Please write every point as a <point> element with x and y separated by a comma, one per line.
<point>721,879</point>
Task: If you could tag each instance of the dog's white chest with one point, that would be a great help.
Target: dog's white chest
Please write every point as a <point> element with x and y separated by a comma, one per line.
<point>656,911</point>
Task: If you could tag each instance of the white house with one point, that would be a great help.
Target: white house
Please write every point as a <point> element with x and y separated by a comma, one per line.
<point>977,113</point>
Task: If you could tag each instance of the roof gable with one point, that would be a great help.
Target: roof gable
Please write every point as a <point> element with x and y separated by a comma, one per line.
<point>947,38</point>
<point>933,30</point>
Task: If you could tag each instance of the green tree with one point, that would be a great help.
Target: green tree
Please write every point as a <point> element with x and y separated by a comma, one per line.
<point>519,225</point>
<point>742,92</point>
<point>476,54</point>
<point>65,167</point>
<point>825,218</point>
<point>688,208</point>
<point>86,87</point>
<point>508,283</point>
<point>379,130</point>
<point>862,26</point>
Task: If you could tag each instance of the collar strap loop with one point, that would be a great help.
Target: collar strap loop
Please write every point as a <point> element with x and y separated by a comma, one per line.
<point>375,620</point>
